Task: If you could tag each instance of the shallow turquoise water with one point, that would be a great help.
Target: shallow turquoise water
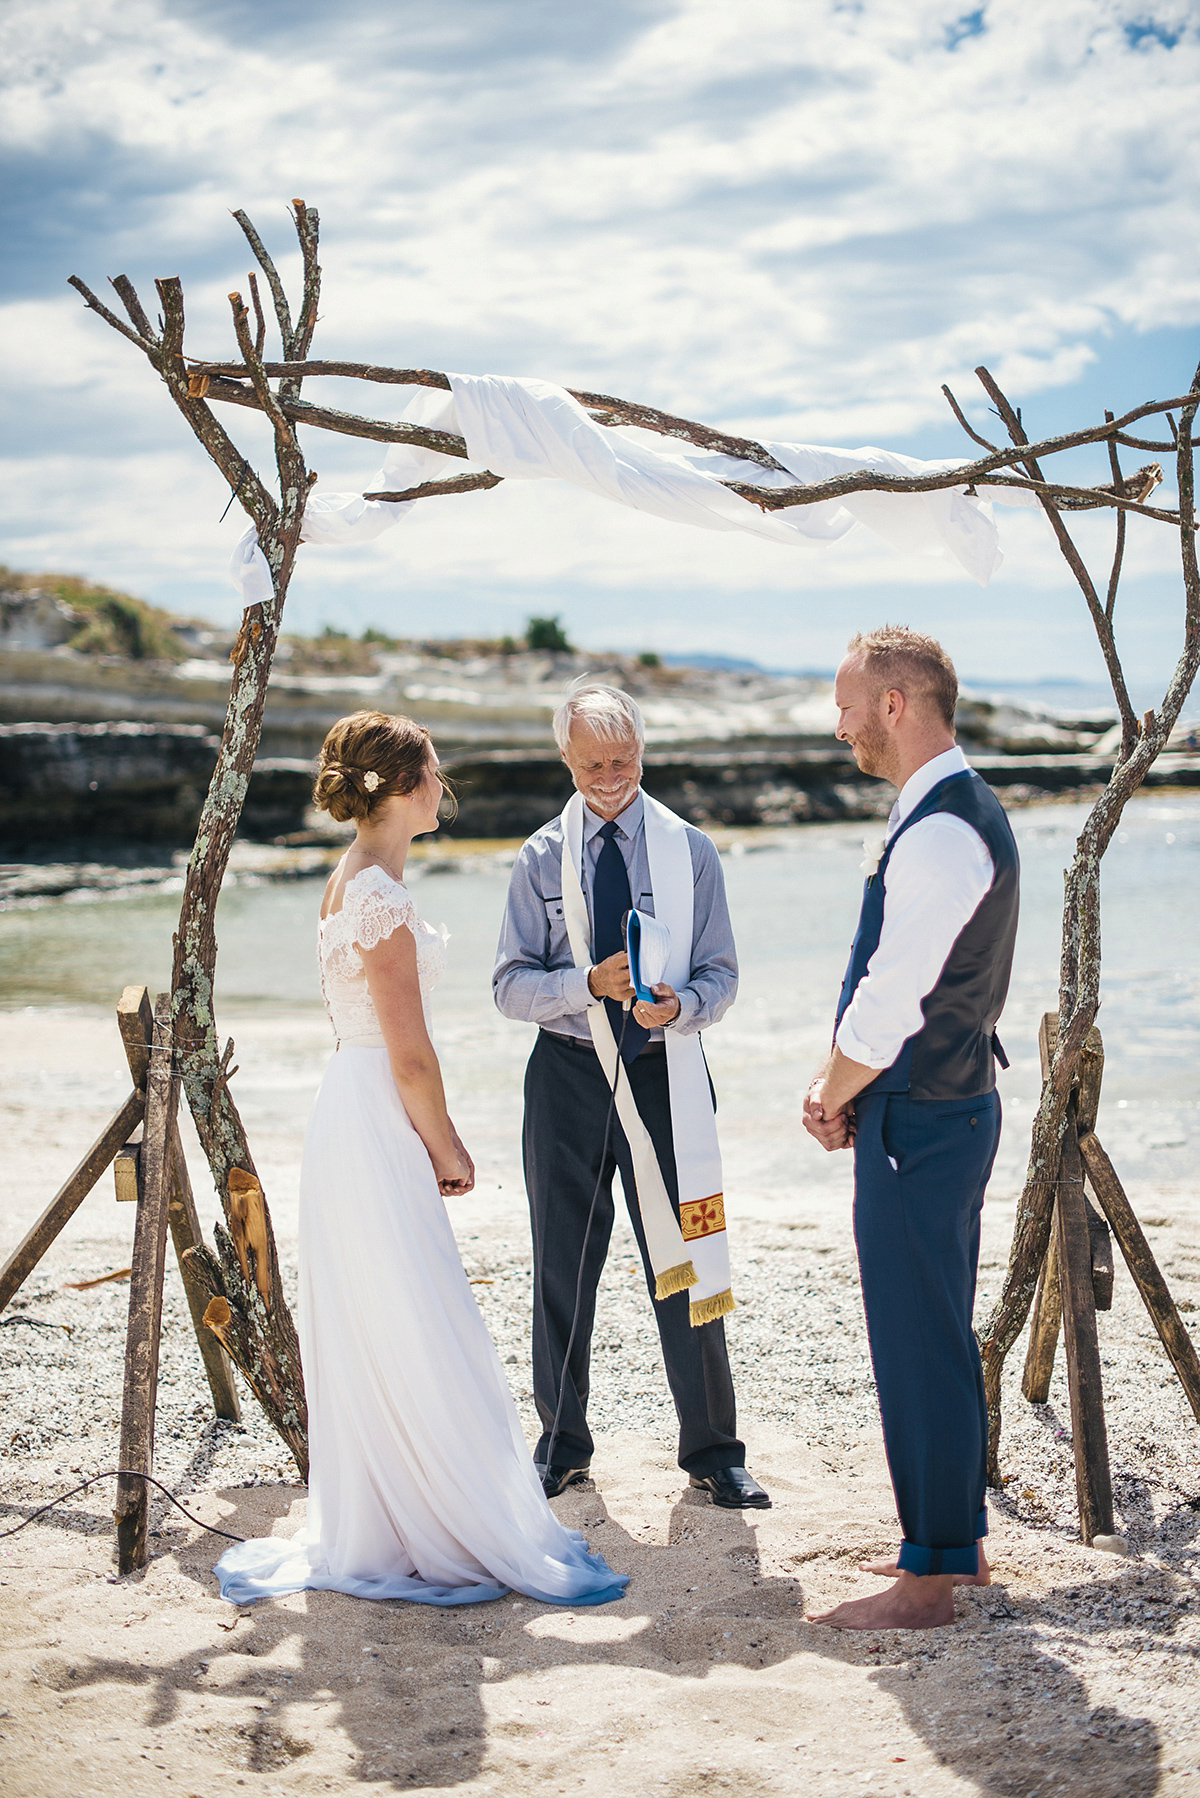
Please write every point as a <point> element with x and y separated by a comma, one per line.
<point>794,903</point>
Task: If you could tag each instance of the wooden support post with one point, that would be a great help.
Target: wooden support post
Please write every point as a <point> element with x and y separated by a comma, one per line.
<point>1102,1257</point>
<point>1141,1263</point>
<point>145,1295</point>
<point>185,1233</point>
<point>135,1020</point>
<point>126,1178</point>
<point>1093,1482</point>
<point>1044,1327</point>
<point>69,1198</point>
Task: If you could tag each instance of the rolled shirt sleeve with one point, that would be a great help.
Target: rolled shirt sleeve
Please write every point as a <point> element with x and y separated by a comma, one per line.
<point>934,881</point>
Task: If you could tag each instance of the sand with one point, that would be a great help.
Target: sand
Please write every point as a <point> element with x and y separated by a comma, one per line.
<point>1074,1673</point>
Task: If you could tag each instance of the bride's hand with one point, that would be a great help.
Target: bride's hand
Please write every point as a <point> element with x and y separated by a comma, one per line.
<point>456,1175</point>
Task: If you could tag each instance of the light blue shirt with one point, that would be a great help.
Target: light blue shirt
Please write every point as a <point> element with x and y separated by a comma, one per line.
<point>535,978</point>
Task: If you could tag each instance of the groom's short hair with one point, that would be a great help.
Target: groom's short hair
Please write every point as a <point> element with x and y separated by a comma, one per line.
<point>917,665</point>
<point>612,714</point>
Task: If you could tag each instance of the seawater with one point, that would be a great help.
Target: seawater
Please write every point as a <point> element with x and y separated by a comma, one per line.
<point>793,898</point>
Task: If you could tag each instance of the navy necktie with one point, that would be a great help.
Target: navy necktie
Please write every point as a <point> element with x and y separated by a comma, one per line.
<point>610,901</point>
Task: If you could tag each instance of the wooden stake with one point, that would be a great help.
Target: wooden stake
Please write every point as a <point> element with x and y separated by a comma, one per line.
<point>145,1296</point>
<point>1093,1483</point>
<point>69,1198</point>
<point>1144,1268</point>
<point>1102,1257</point>
<point>185,1233</point>
<point>135,1020</point>
<point>1044,1327</point>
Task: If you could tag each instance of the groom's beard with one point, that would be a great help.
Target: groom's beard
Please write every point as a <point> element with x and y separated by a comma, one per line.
<point>872,750</point>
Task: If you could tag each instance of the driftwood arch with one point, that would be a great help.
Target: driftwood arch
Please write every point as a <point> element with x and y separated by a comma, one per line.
<point>246,1308</point>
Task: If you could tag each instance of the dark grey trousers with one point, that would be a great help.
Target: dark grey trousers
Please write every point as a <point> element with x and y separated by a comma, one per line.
<point>566,1104</point>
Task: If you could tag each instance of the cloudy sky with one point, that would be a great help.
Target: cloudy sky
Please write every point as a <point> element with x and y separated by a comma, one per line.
<point>795,217</point>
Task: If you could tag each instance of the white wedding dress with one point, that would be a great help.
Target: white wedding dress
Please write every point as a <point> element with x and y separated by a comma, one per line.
<point>421,1485</point>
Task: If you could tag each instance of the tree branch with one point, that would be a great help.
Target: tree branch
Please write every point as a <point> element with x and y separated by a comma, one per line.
<point>282,310</point>
<point>1145,443</point>
<point>1075,563</point>
<point>307,230</point>
<point>123,286</point>
<point>1114,578</point>
<point>260,323</point>
<point>148,346</point>
<point>253,495</point>
<point>463,483</point>
<point>353,371</point>
<point>1079,994</point>
<point>961,417</point>
<point>609,411</point>
<point>1073,499</point>
<point>267,401</point>
<point>346,424</point>
<point>985,470</point>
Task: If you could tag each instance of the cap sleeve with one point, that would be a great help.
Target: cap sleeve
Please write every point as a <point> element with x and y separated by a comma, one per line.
<point>376,905</point>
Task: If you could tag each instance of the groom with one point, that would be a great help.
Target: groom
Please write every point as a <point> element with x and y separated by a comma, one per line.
<point>911,1083</point>
<point>562,964</point>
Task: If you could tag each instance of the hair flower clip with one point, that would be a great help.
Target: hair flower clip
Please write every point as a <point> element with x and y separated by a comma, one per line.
<point>371,780</point>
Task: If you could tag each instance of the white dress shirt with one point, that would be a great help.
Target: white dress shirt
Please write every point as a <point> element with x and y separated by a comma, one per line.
<point>933,884</point>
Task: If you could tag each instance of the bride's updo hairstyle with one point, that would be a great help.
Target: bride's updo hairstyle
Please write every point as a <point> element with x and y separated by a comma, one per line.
<point>366,758</point>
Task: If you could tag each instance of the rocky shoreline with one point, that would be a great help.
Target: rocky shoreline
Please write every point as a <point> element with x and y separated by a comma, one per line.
<point>102,753</point>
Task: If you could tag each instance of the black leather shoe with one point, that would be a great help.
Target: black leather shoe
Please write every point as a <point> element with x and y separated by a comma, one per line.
<point>555,1480</point>
<point>733,1489</point>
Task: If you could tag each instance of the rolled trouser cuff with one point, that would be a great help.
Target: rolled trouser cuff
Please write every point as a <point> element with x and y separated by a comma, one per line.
<point>932,1561</point>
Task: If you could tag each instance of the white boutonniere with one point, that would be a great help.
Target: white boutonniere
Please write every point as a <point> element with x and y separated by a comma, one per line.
<point>873,848</point>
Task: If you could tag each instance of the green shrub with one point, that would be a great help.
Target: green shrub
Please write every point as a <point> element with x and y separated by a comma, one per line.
<point>547,634</point>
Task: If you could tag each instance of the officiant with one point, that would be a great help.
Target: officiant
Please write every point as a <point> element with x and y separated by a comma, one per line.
<point>618,1082</point>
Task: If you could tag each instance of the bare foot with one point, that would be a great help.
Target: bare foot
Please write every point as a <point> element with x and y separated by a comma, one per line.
<point>912,1603</point>
<point>889,1570</point>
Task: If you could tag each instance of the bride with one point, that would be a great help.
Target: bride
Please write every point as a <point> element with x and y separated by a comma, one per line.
<point>421,1485</point>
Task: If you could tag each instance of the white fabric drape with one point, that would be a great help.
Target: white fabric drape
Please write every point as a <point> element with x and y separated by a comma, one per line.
<point>530,430</point>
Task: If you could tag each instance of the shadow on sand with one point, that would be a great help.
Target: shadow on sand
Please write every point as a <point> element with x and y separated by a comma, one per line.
<point>418,1695</point>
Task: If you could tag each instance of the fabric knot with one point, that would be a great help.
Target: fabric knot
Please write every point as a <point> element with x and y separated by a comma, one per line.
<point>608,831</point>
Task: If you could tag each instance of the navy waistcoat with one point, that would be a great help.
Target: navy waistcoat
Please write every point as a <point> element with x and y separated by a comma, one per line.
<point>953,1055</point>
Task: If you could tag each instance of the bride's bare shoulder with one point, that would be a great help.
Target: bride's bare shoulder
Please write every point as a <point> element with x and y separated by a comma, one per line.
<point>360,872</point>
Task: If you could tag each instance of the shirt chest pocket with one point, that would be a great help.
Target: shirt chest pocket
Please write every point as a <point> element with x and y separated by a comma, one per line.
<point>556,929</point>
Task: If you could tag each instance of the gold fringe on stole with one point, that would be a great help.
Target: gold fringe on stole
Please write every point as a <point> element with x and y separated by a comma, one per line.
<point>706,1311</point>
<point>675,1279</point>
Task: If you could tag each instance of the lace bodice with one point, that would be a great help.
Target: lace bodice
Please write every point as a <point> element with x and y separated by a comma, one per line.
<point>373,906</point>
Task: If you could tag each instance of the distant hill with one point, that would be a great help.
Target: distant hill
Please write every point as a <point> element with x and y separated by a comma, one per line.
<point>42,611</point>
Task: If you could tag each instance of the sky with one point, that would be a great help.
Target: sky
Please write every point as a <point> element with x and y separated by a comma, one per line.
<point>794,218</point>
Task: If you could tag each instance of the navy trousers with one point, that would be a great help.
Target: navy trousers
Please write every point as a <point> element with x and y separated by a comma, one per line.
<point>566,1103</point>
<point>916,1227</point>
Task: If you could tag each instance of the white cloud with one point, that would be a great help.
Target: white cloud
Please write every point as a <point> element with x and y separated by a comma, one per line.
<point>799,218</point>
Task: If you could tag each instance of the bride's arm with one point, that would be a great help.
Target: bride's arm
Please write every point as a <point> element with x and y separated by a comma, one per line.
<point>391,968</point>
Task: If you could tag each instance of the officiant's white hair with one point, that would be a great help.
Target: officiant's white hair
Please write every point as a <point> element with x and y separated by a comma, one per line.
<point>610,713</point>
